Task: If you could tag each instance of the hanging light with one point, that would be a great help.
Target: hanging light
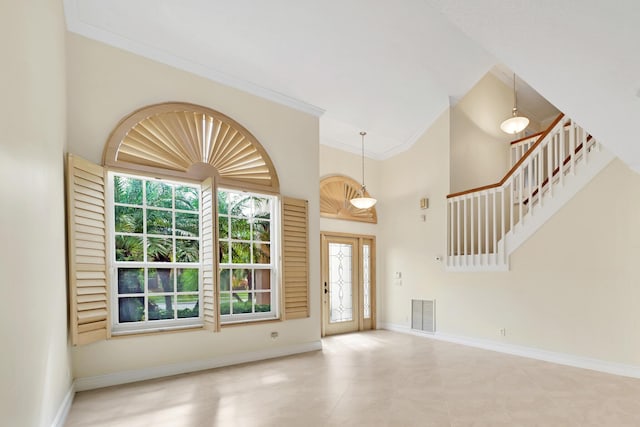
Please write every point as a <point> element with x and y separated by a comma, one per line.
<point>362,201</point>
<point>515,123</point>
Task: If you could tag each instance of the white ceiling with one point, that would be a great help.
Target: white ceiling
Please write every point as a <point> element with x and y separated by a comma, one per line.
<point>391,68</point>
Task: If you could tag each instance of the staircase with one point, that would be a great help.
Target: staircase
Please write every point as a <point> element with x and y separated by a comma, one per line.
<point>487,224</point>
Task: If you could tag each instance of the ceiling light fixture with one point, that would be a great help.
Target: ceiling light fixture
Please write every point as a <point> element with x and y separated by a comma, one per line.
<point>362,201</point>
<point>515,123</point>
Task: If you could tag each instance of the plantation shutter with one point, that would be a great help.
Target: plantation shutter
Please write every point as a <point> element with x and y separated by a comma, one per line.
<point>295,258</point>
<point>88,294</point>
<point>209,261</point>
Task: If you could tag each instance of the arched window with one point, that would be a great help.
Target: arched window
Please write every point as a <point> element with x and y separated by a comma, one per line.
<point>335,193</point>
<point>182,220</point>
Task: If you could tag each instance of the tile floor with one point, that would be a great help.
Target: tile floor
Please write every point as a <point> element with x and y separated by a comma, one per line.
<point>377,378</point>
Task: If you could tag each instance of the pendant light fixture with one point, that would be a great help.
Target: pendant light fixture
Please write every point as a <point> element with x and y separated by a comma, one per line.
<point>515,123</point>
<point>362,201</point>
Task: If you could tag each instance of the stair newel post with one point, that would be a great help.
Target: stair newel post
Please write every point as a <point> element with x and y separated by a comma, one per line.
<point>459,231</point>
<point>495,214</point>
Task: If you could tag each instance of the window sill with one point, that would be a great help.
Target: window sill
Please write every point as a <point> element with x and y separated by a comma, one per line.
<point>236,323</point>
<point>157,331</point>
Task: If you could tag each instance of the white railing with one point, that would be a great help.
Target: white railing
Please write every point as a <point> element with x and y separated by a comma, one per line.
<point>480,219</point>
<point>521,146</point>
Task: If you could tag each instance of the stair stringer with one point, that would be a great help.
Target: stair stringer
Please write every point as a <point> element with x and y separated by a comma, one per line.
<point>552,203</point>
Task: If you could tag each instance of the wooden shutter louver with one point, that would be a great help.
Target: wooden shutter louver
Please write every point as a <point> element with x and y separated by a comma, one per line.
<point>335,193</point>
<point>209,261</point>
<point>295,258</point>
<point>180,138</point>
<point>86,229</point>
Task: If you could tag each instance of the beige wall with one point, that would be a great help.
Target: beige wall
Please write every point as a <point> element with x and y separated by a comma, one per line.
<point>35,372</point>
<point>573,286</point>
<point>479,149</point>
<point>105,84</point>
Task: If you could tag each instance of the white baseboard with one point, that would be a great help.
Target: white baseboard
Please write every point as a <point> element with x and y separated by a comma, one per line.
<point>65,406</point>
<point>99,381</point>
<point>530,352</point>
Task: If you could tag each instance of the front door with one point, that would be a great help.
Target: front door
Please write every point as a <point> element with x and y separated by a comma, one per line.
<point>347,280</point>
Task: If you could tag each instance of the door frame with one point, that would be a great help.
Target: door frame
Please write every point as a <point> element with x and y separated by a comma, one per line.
<point>361,239</point>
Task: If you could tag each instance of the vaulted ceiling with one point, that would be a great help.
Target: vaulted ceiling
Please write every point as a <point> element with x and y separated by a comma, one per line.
<point>391,68</point>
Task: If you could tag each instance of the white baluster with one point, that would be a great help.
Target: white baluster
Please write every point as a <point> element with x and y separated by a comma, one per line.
<point>495,215</point>
<point>563,155</point>
<point>459,235</point>
<point>465,253</point>
<point>486,228</point>
<point>520,191</point>
<point>473,223</point>
<point>550,170</point>
<point>583,138</point>
<point>572,146</point>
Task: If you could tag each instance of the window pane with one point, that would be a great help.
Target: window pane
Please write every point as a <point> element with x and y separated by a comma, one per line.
<point>242,302</point>
<point>188,280</point>
<point>187,225</point>
<point>159,194</point>
<point>130,280</point>
<point>261,208</point>
<point>159,249</point>
<point>240,253</point>
<point>130,309</point>
<point>262,231</point>
<point>239,204</point>
<point>161,307</point>
<point>159,222</point>
<point>128,220</point>
<point>187,250</point>
<point>225,301</point>
<point>261,253</point>
<point>160,280</point>
<point>188,306</point>
<point>127,190</point>
<point>263,301</point>
<point>241,279</point>
<point>240,229</point>
<point>222,202</point>
<point>224,252</point>
<point>187,198</point>
<point>225,280</point>
<point>262,279</point>
<point>223,226</point>
<point>129,248</point>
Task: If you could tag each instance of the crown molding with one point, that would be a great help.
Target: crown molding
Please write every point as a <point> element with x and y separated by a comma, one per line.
<point>76,25</point>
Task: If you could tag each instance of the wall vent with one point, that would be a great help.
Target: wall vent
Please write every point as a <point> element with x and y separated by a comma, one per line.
<point>423,315</point>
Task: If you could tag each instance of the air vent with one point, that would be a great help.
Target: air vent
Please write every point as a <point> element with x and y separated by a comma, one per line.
<point>423,315</point>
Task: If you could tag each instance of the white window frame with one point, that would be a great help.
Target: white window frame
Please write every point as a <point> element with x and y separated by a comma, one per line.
<point>147,325</point>
<point>275,229</point>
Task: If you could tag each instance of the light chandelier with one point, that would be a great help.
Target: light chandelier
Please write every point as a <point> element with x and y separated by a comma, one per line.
<point>362,201</point>
<point>515,123</point>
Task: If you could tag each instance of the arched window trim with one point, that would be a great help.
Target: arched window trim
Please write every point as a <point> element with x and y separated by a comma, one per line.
<point>335,193</point>
<point>236,175</point>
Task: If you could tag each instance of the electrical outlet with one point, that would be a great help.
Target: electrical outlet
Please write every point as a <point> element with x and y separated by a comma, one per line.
<point>503,332</point>
<point>274,335</point>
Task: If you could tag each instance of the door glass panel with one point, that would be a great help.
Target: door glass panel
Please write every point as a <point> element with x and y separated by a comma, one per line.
<point>366,275</point>
<point>340,283</point>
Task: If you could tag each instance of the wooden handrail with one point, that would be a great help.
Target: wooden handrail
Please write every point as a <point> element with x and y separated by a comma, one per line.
<point>525,138</point>
<point>515,167</point>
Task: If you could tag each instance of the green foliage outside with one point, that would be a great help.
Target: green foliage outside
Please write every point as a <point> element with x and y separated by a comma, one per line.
<point>129,219</point>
